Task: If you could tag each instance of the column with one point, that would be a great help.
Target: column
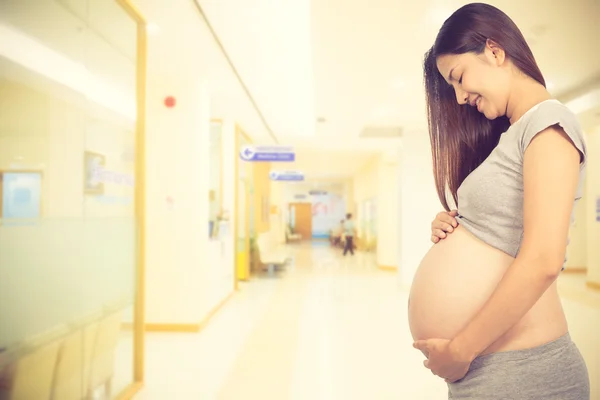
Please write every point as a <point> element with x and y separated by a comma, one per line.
<point>387,211</point>
<point>177,203</point>
<point>229,184</point>
<point>419,203</point>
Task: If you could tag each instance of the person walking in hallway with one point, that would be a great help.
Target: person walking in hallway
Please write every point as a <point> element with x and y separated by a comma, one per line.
<point>349,231</point>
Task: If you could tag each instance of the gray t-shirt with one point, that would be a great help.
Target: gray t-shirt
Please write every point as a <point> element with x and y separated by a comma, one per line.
<point>490,199</point>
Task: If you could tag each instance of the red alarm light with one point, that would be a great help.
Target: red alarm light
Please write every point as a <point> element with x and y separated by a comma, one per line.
<point>170,101</point>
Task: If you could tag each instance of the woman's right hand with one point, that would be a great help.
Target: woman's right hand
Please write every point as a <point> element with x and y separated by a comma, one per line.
<point>444,221</point>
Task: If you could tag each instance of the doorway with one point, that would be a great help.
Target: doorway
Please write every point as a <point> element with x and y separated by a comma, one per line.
<point>301,219</point>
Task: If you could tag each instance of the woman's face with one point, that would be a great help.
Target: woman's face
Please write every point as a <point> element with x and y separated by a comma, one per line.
<point>479,80</point>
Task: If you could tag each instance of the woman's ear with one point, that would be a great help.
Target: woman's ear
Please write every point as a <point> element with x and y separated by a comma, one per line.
<point>496,53</point>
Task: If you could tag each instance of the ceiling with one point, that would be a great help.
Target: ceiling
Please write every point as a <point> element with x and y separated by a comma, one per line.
<point>367,60</point>
<point>326,164</point>
<point>98,36</point>
<point>351,65</point>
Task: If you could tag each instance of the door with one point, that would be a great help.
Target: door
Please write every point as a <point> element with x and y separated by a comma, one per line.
<point>301,215</point>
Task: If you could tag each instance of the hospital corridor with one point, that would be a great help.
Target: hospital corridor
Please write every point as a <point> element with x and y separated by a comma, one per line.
<point>331,328</point>
<point>299,200</point>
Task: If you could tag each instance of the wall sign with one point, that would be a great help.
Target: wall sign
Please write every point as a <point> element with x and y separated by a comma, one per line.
<point>267,153</point>
<point>294,176</point>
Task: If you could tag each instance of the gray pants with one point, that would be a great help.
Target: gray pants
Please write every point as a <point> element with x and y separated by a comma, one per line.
<point>553,371</point>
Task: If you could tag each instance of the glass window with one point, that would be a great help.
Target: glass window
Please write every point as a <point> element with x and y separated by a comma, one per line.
<point>68,241</point>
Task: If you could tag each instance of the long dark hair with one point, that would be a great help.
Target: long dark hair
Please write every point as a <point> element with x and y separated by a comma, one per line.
<point>461,137</point>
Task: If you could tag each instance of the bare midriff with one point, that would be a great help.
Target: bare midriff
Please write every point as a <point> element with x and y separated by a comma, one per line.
<point>456,278</point>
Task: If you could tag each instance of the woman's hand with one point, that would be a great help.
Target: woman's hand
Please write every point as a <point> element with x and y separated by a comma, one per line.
<point>444,359</point>
<point>444,222</point>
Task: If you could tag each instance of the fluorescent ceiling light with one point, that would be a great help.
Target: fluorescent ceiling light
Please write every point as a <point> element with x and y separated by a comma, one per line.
<point>33,55</point>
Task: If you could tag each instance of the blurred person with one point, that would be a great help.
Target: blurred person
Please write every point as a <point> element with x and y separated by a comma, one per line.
<point>484,307</point>
<point>349,233</point>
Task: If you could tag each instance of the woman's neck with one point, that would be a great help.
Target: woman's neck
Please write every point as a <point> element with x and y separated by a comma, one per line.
<point>525,94</point>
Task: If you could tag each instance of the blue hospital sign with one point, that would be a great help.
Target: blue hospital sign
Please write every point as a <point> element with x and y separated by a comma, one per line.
<point>286,176</point>
<point>267,153</point>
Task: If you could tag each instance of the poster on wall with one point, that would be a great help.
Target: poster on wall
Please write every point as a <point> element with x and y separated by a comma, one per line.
<point>21,195</point>
<point>93,165</point>
<point>327,212</point>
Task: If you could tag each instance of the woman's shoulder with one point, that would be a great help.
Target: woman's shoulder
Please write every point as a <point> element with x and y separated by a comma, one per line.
<point>550,110</point>
<point>548,114</point>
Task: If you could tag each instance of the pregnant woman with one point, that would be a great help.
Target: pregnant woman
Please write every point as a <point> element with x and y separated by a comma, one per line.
<point>484,307</point>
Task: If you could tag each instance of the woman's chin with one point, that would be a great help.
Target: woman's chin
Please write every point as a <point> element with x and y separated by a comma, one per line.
<point>489,115</point>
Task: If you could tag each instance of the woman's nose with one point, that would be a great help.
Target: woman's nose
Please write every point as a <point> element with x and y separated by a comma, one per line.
<point>462,97</point>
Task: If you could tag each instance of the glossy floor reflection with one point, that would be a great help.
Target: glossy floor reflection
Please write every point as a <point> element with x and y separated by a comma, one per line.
<point>330,327</point>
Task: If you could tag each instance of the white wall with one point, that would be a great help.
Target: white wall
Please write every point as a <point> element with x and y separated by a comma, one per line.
<point>419,203</point>
<point>593,206</point>
<point>229,184</point>
<point>378,181</point>
<point>177,167</point>
<point>365,185</point>
<point>387,212</point>
<point>349,196</point>
<point>187,274</point>
<point>366,182</point>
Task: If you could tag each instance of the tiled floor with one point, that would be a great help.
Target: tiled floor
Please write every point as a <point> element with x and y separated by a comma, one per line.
<point>329,328</point>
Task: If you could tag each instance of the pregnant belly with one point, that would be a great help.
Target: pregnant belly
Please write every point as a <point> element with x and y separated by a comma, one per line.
<point>456,278</point>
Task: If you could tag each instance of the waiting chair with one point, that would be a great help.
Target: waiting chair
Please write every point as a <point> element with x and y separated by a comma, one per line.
<point>269,253</point>
<point>292,237</point>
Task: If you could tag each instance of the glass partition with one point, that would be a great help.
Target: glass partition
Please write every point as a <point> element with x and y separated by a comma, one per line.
<point>68,226</point>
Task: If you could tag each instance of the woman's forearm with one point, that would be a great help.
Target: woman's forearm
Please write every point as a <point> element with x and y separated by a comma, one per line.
<point>523,284</point>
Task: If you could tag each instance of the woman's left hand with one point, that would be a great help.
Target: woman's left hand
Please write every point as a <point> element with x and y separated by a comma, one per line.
<point>444,359</point>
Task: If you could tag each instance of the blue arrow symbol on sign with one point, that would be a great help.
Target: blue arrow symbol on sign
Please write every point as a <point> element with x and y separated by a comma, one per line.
<point>247,153</point>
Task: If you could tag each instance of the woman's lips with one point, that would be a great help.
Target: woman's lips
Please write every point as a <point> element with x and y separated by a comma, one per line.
<point>478,103</point>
